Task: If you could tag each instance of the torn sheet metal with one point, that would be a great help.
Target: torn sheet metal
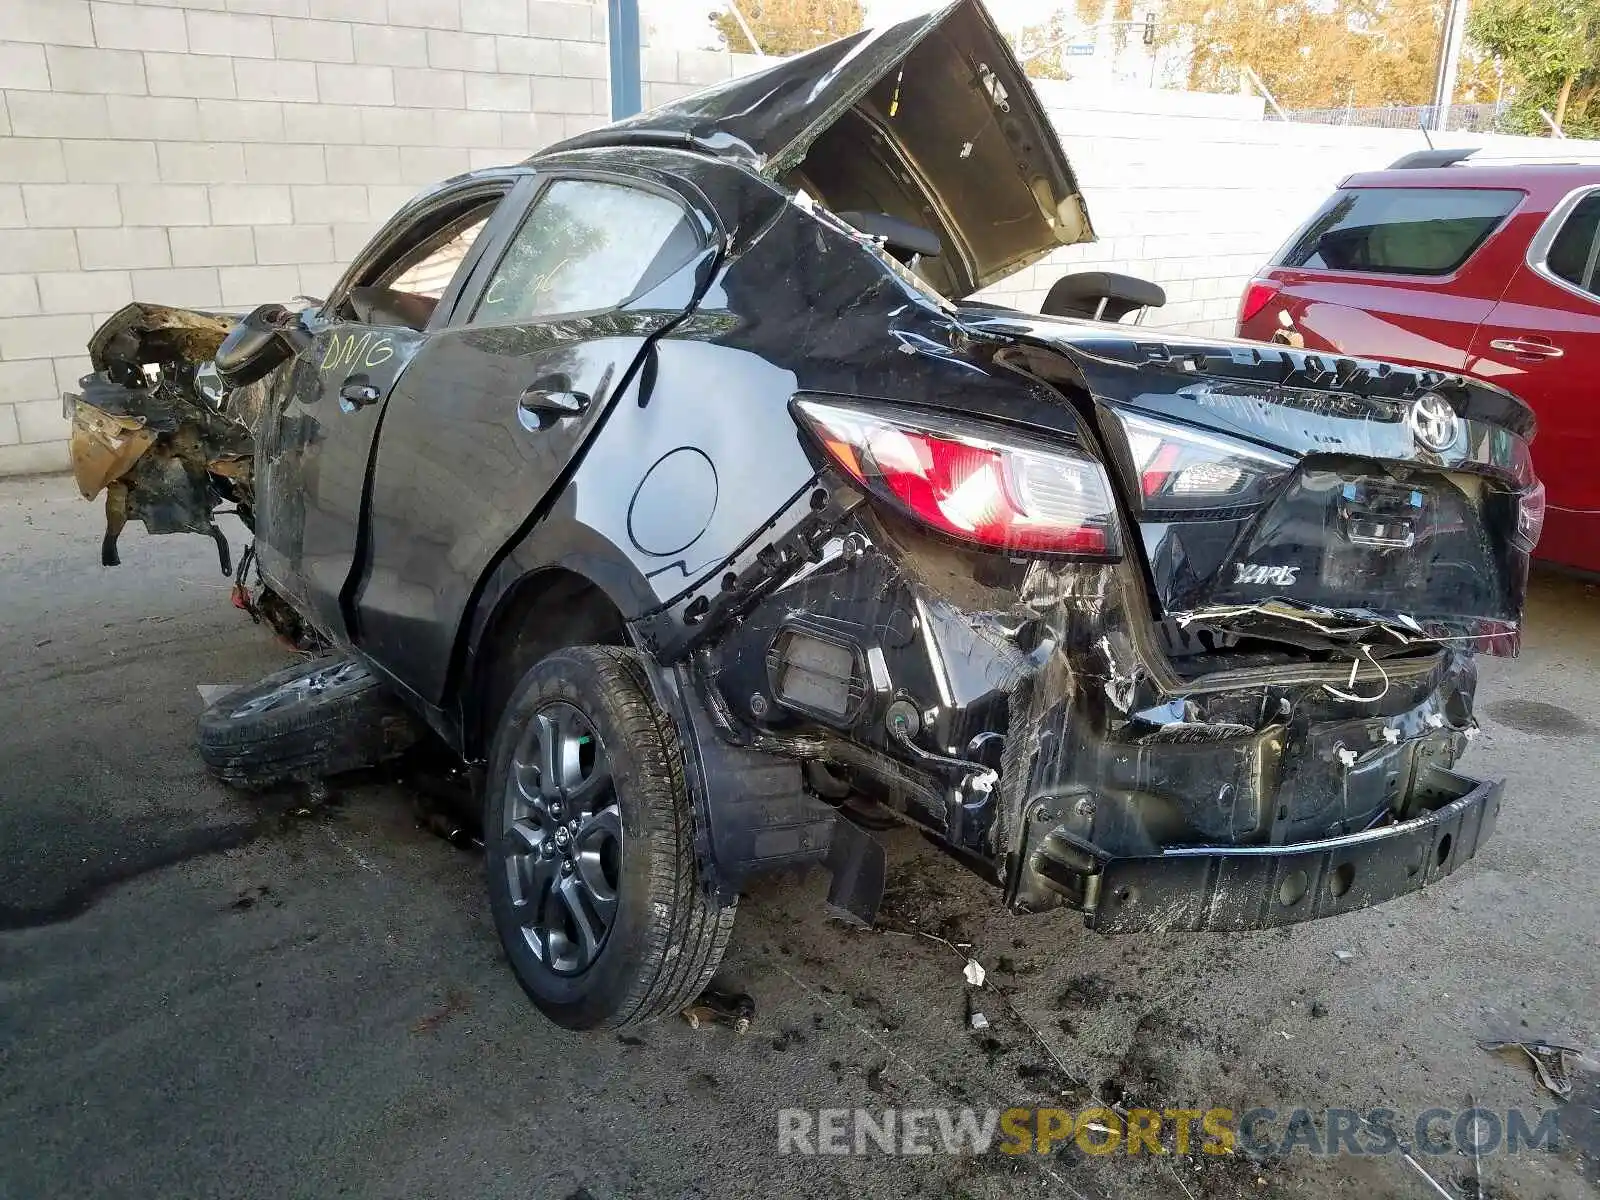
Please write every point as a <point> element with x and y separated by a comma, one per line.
<point>145,432</point>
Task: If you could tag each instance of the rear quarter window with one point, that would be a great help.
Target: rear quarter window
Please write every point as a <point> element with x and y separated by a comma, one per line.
<point>1402,231</point>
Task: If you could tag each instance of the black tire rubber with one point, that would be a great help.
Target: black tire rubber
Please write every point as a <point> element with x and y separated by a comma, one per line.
<point>667,936</point>
<point>354,721</point>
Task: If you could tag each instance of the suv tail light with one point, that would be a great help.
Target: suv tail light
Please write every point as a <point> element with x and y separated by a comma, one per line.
<point>1256,295</point>
<point>1183,469</point>
<point>1530,516</point>
<point>1530,496</point>
<point>971,481</point>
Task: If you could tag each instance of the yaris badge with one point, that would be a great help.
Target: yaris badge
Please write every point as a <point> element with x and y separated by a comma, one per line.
<point>1434,423</point>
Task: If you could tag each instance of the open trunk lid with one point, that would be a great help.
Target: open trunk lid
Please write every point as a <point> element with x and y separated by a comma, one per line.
<point>936,104</point>
<point>1309,498</point>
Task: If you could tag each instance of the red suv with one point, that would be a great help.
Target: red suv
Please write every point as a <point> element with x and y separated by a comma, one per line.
<point>1490,269</point>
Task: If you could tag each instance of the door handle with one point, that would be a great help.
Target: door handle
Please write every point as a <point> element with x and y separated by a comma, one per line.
<point>358,395</point>
<point>552,405</point>
<point>1527,347</point>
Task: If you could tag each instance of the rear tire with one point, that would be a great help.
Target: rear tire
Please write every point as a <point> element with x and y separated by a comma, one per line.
<point>589,846</point>
<point>308,721</point>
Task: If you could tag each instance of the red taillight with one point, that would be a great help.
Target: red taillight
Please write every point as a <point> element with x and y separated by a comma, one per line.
<point>1256,294</point>
<point>975,484</point>
<point>1183,468</point>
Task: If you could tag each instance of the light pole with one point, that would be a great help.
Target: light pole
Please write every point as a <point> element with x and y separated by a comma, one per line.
<point>1444,89</point>
<point>622,37</point>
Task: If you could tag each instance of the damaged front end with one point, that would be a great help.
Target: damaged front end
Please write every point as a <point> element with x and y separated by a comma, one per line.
<point>157,431</point>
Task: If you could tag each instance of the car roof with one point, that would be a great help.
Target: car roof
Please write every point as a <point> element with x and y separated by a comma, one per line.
<point>1540,178</point>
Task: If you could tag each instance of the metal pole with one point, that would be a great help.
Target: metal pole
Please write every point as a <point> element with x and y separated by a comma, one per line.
<point>622,34</point>
<point>744,28</point>
<point>1266,92</point>
<point>1455,31</point>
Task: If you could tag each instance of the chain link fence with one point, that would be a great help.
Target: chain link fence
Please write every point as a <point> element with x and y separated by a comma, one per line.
<point>1464,118</point>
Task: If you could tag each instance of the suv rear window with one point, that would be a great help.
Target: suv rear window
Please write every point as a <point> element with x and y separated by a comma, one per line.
<point>1405,231</point>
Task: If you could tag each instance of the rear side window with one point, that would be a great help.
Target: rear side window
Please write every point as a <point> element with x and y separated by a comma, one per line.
<point>1575,252</point>
<point>1405,231</point>
<point>587,246</point>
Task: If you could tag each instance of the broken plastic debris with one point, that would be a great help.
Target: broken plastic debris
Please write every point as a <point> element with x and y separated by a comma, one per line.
<point>979,1021</point>
<point>1344,955</point>
<point>1550,1063</point>
<point>974,972</point>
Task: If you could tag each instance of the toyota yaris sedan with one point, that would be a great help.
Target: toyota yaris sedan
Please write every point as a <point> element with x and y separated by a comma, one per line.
<point>675,481</point>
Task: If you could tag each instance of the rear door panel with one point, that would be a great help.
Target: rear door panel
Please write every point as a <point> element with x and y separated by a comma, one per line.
<point>317,437</point>
<point>1542,342</point>
<point>461,468</point>
<point>465,463</point>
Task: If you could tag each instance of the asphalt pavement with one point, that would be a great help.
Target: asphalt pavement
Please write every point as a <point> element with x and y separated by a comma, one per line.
<point>204,993</point>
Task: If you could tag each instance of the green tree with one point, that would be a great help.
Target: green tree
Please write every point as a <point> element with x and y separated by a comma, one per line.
<point>1550,54</point>
<point>789,26</point>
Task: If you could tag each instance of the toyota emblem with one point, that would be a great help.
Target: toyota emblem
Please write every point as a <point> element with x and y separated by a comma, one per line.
<point>1434,423</point>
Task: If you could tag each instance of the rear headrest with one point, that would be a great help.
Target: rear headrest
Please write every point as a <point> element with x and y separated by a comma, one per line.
<point>1079,294</point>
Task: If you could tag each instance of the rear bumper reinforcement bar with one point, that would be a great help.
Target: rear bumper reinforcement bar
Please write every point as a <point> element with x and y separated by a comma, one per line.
<point>1225,888</point>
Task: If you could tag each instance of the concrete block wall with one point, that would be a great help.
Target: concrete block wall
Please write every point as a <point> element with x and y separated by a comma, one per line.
<point>225,153</point>
<point>1197,192</point>
<point>668,74</point>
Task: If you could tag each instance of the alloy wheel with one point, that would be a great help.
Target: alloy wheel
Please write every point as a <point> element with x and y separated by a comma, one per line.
<point>562,841</point>
<point>316,680</point>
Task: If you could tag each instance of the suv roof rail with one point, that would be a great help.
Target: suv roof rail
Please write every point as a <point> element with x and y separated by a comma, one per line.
<point>1582,155</point>
<point>1432,158</point>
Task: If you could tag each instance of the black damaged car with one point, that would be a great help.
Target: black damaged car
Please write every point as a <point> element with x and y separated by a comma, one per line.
<point>674,481</point>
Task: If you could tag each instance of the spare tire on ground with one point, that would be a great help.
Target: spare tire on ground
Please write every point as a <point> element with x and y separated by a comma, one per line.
<point>314,719</point>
